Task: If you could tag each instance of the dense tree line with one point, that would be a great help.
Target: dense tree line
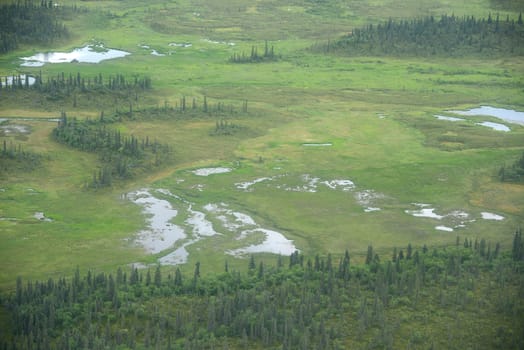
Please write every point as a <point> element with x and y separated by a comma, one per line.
<point>254,56</point>
<point>120,155</point>
<point>514,172</point>
<point>30,22</point>
<point>444,36</point>
<point>467,296</point>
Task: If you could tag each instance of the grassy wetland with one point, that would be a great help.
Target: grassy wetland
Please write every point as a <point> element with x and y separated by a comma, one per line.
<point>327,150</point>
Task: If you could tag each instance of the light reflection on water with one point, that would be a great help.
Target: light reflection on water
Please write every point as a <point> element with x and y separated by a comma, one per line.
<point>86,54</point>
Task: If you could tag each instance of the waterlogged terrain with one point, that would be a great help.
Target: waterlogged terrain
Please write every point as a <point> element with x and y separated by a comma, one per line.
<point>170,241</point>
<point>175,225</point>
<point>507,115</point>
<point>455,219</point>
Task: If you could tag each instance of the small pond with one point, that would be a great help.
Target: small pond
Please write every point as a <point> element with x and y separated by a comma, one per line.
<point>507,115</point>
<point>86,54</point>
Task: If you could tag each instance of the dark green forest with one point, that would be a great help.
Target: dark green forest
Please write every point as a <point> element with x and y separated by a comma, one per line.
<point>30,22</point>
<point>414,299</point>
<point>513,172</point>
<point>445,36</point>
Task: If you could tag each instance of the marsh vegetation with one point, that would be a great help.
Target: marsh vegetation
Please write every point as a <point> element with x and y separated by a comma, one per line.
<point>208,188</point>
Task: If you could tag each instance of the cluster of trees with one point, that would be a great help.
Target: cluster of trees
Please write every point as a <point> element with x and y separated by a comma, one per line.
<point>15,156</point>
<point>452,298</point>
<point>223,127</point>
<point>447,36</point>
<point>254,57</point>
<point>120,155</point>
<point>28,22</point>
<point>514,172</point>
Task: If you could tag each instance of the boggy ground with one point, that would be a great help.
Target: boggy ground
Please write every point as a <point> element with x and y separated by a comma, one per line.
<point>377,114</point>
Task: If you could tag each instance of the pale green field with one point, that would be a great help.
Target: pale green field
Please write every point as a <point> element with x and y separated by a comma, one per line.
<point>376,112</point>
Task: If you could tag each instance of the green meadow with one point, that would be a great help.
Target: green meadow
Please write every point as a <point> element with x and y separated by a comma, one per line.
<point>372,118</point>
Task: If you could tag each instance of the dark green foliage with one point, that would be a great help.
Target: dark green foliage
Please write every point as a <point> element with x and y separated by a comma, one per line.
<point>517,251</point>
<point>120,155</point>
<point>254,57</point>
<point>301,307</point>
<point>223,127</point>
<point>15,157</point>
<point>430,36</point>
<point>31,22</point>
<point>514,172</point>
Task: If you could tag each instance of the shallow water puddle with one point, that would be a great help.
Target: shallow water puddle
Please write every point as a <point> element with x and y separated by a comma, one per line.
<point>456,219</point>
<point>424,212</point>
<point>495,126</point>
<point>246,186</point>
<point>365,198</point>
<point>161,236</point>
<point>86,54</point>
<point>451,119</point>
<point>444,228</point>
<point>491,216</point>
<point>183,45</point>
<point>25,119</point>
<point>201,226</point>
<point>219,42</point>
<point>15,129</point>
<point>344,185</point>
<point>274,242</point>
<point>21,79</point>
<point>507,115</point>
<point>39,215</point>
<point>310,185</point>
<point>211,171</point>
<point>327,144</point>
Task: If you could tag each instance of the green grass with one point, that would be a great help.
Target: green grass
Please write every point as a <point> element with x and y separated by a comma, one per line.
<point>408,156</point>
